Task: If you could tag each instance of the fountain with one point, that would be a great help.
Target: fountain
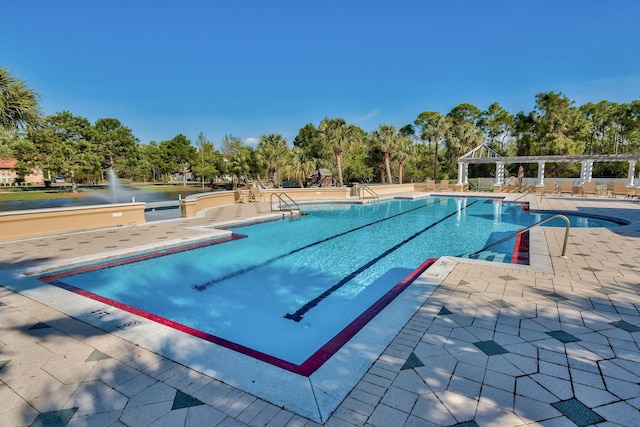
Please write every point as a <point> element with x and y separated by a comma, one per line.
<point>117,192</point>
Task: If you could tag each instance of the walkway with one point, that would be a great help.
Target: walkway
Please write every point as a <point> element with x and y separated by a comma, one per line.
<point>492,346</point>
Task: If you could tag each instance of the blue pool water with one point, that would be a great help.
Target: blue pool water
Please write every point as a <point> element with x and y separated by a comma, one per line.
<point>290,286</point>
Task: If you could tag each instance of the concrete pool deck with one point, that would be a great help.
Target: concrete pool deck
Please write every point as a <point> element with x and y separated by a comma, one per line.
<point>492,345</point>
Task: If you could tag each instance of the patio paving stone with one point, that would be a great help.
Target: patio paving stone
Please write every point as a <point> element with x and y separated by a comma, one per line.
<point>490,348</point>
<point>625,326</point>
<point>563,337</point>
<point>54,418</point>
<point>577,412</point>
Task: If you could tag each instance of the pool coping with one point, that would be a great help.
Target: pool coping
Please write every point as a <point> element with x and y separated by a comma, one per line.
<point>315,396</point>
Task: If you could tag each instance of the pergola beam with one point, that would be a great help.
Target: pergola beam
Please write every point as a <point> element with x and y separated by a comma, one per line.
<point>552,159</point>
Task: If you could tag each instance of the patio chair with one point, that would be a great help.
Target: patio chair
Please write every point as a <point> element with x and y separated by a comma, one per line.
<point>431,185</point>
<point>444,185</point>
<point>256,195</point>
<point>636,194</point>
<point>620,189</point>
<point>549,187</point>
<point>241,196</point>
<point>566,187</point>
<point>589,188</point>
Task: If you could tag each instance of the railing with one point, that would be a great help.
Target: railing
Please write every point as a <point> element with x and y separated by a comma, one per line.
<point>566,234</point>
<point>286,201</point>
<point>366,189</point>
<point>529,191</point>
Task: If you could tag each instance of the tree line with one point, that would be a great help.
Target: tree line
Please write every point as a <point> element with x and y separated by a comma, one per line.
<point>427,147</point>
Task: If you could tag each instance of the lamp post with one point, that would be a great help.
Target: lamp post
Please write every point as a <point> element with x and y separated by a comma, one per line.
<point>202,170</point>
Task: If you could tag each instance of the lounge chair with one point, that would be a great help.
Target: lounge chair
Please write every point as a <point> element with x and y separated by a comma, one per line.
<point>636,193</point>
<point>549,187</point>
<point>566,187</point>
<point>620,189</point>
<point>589,188</point>
<point>431,185</point>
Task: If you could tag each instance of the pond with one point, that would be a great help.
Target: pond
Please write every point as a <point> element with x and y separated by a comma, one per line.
<point>94,197</point>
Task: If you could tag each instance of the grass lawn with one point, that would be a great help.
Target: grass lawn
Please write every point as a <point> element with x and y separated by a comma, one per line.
<point>7,196</point>
<point>29,193</point>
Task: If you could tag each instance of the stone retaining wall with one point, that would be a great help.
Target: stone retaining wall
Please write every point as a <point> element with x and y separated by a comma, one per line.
<point>38,222</point>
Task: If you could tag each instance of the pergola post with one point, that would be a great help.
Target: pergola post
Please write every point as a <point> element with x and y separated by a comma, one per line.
<point>497,187</point>
<point>463,176</point>
<point>540,182</point>
<point>586,172</point>
<point>632,172</point>
<point>465,181</point>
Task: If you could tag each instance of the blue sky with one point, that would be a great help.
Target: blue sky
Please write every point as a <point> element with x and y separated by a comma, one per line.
<point>249,68</point>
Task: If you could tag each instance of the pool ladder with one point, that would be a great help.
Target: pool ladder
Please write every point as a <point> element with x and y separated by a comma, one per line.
<point>564,245</point>
<point>365,192</point>
<point>285,204</point>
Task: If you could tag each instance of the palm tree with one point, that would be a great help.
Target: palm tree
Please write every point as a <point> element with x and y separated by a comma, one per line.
<point>18,104</point>
<point>298,166</point>
<point>376,157</point>
<point>403,153</point>
<point>338,136</point>
<point>386,138</point>
<point>433,127</point>
<point>271,154</point>
<point>240,163</point>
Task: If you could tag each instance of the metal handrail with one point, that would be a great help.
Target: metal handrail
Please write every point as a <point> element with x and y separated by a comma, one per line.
<point>366,189</point>
<point>522,195</point>
<point>566,234</point>
<point>282,201</point>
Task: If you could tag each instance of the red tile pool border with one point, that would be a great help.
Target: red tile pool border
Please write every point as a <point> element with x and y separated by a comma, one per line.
<point>141,257</point>
<point>307,368</point>
<point>521,249</point>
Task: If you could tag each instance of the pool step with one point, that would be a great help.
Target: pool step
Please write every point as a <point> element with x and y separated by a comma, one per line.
<point>492,256</point>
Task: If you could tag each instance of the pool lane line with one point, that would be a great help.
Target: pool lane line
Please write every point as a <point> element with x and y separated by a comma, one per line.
<point>242,271</point>
<point>299,314</point>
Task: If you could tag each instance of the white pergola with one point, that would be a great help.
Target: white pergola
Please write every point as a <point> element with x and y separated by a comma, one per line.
<point>485,155</point>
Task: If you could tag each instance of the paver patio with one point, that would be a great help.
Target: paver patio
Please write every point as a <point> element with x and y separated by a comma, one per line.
<point>494,345</point>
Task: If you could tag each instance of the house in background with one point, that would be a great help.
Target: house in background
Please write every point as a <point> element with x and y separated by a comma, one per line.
<point>9,174</point>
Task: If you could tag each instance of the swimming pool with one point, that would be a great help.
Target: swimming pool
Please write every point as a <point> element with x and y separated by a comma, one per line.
<point>292,292</point>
